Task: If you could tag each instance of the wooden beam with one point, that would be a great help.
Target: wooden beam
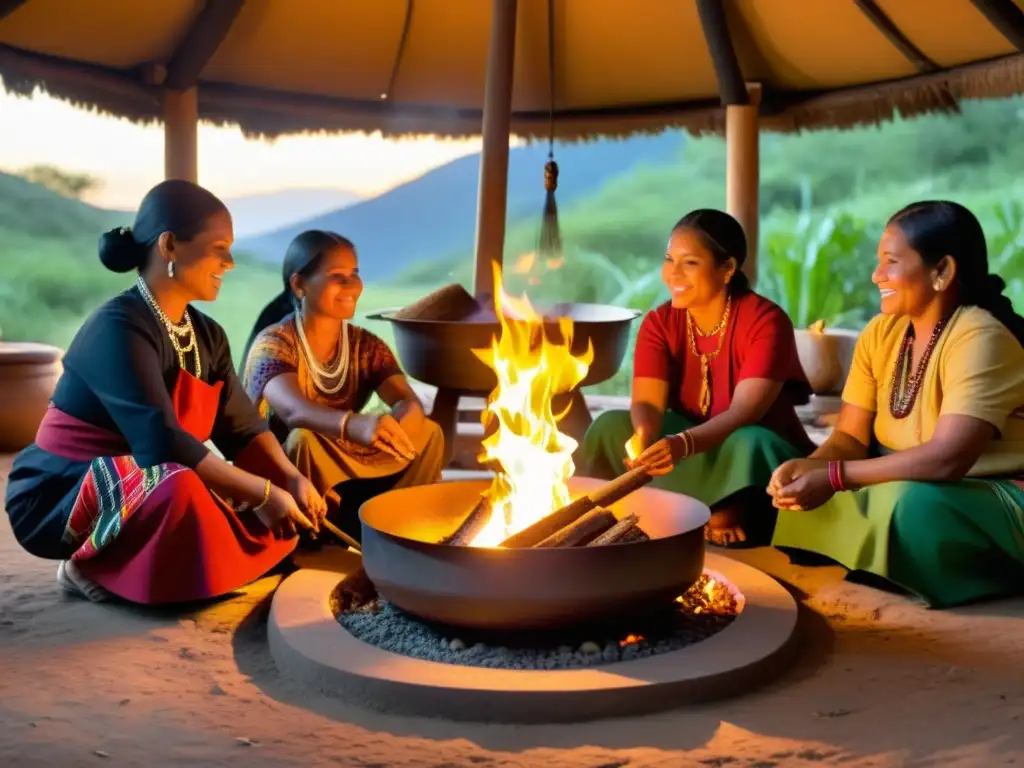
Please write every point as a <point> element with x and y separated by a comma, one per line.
<point>207,32</point>
<point>731,85</point>
<point>1005,16</point>
<point>894,35</point>
<point>7,7</point>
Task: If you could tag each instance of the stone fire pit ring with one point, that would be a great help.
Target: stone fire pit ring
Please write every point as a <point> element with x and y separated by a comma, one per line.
<point>310,646</point>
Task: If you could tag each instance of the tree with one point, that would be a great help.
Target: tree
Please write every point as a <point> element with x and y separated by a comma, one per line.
<point>65,183</point>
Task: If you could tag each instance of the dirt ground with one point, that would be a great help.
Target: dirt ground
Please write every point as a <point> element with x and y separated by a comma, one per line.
<point>880,682</point>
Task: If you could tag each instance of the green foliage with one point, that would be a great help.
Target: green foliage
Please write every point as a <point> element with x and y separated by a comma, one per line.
<point>73,185</point>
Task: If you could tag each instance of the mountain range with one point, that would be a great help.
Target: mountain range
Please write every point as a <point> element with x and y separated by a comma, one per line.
<point>434,216</point>
<point>264,212</point>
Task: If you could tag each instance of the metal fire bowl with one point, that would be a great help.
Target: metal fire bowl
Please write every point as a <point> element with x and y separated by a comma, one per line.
<point>527,589</point>
<point>439,352</point>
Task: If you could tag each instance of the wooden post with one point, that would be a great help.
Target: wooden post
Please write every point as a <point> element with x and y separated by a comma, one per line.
<point>743,170</point>
<point>181,135</point>
<point>492,197</point>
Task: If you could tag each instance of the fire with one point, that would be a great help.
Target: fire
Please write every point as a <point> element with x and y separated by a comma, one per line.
<point>533,457</point>
<point>634,447</point>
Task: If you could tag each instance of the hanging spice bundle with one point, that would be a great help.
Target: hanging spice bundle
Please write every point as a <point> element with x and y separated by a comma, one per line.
<point>550,244</point>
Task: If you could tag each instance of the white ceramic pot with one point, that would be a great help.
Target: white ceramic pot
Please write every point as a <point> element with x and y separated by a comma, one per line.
<point>826,357</point>
<point>28,375</point>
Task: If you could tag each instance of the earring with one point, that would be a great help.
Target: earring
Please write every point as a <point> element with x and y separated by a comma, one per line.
<point>170,269</point>
<point>937,285</point>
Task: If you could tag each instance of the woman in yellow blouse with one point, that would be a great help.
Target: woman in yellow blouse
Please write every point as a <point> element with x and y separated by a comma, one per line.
<point>920,483</point>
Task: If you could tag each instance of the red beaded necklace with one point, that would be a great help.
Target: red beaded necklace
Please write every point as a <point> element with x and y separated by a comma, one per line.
<point>905,385</point>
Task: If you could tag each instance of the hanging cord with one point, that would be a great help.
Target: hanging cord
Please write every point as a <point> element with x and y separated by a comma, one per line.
<point>550,245</point>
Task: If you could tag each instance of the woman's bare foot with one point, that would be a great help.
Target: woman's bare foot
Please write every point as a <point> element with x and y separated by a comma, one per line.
<point>72,580</point>
<point>724,529</point>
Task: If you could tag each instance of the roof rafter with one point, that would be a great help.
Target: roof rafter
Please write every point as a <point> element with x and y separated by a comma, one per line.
<point>1005,16</point>
<point>194,52</point>
<point>731,86</point>
<point>881,21</point>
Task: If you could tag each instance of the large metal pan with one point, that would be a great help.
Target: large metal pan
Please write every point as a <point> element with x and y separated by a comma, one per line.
<point>527,589</point>
<point>439,352</point>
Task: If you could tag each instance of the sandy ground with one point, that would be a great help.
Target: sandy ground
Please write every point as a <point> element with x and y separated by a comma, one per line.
<point>881,682</point>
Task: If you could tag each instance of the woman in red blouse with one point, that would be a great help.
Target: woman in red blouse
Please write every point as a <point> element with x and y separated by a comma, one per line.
<point>715,380</point>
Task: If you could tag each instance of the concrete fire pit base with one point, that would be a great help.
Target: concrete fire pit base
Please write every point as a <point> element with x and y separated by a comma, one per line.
<point>308,644</point>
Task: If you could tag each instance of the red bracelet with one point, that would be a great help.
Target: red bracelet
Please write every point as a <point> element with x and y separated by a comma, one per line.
<point>835,476</point>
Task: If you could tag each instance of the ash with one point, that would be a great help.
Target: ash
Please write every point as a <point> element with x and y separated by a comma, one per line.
<point>706,609</point>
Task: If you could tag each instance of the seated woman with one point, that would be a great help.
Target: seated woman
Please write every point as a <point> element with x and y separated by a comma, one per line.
<point>919,484</point>
<point>119,485</point>
<point>311,372</point>
<point>715,379</point>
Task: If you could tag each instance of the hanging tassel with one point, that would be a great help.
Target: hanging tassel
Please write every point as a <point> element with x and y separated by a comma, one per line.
<point>550,246</point>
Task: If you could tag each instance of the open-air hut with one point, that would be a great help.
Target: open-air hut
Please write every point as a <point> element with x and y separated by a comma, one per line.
<point>576,68</point>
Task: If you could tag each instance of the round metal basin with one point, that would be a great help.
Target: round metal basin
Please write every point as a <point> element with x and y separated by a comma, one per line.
<point>439,352</point>
<point>527,589</point>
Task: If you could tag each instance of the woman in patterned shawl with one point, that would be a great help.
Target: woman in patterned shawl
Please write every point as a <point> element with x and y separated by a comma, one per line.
<point>311,373</point>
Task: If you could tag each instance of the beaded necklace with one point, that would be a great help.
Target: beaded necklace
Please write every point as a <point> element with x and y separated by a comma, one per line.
<point>319,375</point>
<point>906,385</point>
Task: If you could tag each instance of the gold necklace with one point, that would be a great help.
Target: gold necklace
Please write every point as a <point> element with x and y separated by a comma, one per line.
<point>175,330</point>
<point>705,360</point>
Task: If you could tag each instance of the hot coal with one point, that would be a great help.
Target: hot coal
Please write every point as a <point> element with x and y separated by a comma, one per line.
<point>706,609</point>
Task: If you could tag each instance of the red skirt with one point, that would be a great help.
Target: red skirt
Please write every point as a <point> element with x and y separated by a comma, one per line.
<point>158,535</point>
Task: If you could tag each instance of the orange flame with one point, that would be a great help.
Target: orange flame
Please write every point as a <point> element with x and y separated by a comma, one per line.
<point>634,447</point>
<point>533,456</point>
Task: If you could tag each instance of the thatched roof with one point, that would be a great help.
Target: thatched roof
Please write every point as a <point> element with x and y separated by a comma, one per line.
<point>418,66</point>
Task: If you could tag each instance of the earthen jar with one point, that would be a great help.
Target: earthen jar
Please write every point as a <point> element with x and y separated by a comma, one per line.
<point>28,375</point>
<point>826,356</point>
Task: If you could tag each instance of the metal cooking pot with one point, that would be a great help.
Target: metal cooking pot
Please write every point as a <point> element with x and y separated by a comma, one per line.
<point>439,352</point>
<point>527,589</point>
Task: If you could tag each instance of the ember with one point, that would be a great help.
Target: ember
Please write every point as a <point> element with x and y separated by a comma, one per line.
<point>706,609</point>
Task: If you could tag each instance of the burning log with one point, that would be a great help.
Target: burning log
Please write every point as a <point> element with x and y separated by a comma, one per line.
<point>616,533</point>
<point>583,531</point>
<point>471,526</point>
<point>605,496</point>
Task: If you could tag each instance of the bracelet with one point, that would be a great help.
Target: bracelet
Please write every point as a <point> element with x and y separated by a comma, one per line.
<point>688,446</point>
<point>343,424</point>
<point>835,476</point>
<point>266,498</point>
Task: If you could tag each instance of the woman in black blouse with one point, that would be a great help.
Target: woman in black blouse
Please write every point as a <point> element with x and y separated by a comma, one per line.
<point>119,484</point>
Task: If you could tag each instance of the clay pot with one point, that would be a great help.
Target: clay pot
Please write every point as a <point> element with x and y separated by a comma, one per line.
<point>28,375</point>
<point>826,356</point>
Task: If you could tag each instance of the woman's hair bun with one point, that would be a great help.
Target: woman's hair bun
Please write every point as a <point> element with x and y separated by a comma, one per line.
<point>993,286</point>
<point>119,252</point>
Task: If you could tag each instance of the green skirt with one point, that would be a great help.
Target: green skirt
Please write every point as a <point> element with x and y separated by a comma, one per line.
<point>949,543</point>
<point>744,461</point>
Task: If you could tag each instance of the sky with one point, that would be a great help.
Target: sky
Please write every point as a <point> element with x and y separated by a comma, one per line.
<point>129,158</point>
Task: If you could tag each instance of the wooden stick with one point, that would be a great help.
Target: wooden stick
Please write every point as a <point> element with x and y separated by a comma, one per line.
<point>584,530</point>
<point>605,496</point>
<point>345,538</point>
<point>616,533</point>
<point>621,487</point>
<point>473,523</point>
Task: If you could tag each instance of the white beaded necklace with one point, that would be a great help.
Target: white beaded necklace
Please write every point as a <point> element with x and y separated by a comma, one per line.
<point>319,375</point>
<point>184,328</point>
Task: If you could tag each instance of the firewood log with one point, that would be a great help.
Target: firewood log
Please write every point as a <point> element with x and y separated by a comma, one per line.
<point>473,523</point>
<point>616,533</point>
<point>621,487</point>
<point>605,496</point>
<point>550,525</point>
<point>583,531</point>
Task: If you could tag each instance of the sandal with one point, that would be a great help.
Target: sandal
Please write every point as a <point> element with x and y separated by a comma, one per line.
<point>75,583</point>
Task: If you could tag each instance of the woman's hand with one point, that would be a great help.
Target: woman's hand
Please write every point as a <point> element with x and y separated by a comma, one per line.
<point>310,502</point>
<point>380,431</point>
<point>800,484</point>
<point>662,457</point>
<point>281,514</point>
